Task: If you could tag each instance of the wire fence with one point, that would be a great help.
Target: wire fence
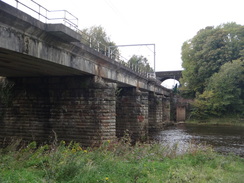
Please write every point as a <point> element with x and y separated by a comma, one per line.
<point>62,16</point>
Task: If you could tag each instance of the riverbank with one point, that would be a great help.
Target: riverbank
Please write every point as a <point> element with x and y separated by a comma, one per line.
<point>117,162</point>
<point>233,120</point>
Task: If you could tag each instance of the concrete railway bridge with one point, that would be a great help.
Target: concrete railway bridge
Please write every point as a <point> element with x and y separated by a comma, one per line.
<point>54,85</point>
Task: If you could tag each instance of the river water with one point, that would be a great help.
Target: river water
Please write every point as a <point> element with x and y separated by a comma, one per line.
<point>223,139</point>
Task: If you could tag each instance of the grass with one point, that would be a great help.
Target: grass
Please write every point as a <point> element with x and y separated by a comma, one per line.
<point>117,162</point>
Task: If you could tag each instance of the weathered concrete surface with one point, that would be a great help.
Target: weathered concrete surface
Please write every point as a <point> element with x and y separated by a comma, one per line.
<point>30,48</point>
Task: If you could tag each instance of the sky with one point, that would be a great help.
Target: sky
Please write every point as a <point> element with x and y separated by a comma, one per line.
<point>165,23</point>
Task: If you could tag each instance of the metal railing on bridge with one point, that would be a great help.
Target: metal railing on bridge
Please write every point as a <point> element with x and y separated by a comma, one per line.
<point>43,14</point>
<point>63,16</point>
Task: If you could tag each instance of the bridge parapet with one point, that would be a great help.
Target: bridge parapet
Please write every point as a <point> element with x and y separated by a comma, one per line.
<point>43,14</point>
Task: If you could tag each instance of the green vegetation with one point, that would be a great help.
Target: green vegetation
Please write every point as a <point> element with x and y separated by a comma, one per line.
<point>95,35</point>
<point>6,91</point>
<point>141,62</point>
<point>118,163</point>
<point>226,120</point>
<point>214,71</point>
<point>223,93</point>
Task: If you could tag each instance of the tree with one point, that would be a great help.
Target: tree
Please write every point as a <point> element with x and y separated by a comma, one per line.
<point>224,93</point>
<point>228,87</point>
<point>205,53</point>
<point>97,38</point>
<point>140,62</point>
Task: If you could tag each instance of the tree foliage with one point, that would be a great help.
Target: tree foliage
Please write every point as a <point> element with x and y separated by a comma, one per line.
<point>224,93</point>
<point>206,52</point>
<point>213,69</point>
<point>141,62</point>
<point>97,35</point>
<point>228,87</point>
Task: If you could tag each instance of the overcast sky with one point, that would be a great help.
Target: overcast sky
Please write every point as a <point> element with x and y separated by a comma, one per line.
<point>166,23</point>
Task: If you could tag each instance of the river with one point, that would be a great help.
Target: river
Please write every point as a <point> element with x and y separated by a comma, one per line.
<point>223,139</point>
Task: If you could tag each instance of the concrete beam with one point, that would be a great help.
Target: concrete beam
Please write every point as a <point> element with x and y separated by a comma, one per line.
<point>63,32</point>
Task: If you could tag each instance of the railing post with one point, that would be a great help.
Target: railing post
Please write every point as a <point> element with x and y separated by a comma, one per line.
<point>39,12</point>
<point>64,15</point>
<point>46,16</point>
<point>109,52</point>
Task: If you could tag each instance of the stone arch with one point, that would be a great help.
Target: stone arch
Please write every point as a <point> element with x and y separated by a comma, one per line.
<point>164,75</point>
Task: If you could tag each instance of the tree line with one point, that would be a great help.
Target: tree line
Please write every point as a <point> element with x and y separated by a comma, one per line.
<point>213,62</point>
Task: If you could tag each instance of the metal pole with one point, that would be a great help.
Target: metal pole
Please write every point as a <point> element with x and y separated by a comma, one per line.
<point>154,59</point>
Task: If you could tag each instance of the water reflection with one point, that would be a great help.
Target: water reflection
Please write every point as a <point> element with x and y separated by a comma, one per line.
<point>224,139</point>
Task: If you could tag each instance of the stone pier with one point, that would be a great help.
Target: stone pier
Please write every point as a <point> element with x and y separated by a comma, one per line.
<point>81,109</point>
<point>156,112</point>
<point>132,113</point>
<point>84,109</point>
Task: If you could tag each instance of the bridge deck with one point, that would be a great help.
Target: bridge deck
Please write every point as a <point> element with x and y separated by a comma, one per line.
<point>29,47</point>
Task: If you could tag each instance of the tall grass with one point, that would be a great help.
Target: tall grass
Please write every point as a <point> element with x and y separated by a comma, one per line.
<point>117,162</point>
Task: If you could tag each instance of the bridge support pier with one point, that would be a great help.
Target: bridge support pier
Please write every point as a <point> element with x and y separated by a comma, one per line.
<point>85,109</point>
<point>132,113</point>
<point>155,118</point>
<point>166,110</point>
<point>81,109</point>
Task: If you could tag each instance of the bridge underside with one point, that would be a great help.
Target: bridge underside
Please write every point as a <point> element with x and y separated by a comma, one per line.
<point>14,64</point>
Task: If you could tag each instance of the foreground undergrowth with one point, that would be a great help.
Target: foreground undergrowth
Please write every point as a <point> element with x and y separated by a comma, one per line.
<point>117,162</point>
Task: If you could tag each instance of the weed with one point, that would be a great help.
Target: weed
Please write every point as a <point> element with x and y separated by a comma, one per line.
<point>117,161</point>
